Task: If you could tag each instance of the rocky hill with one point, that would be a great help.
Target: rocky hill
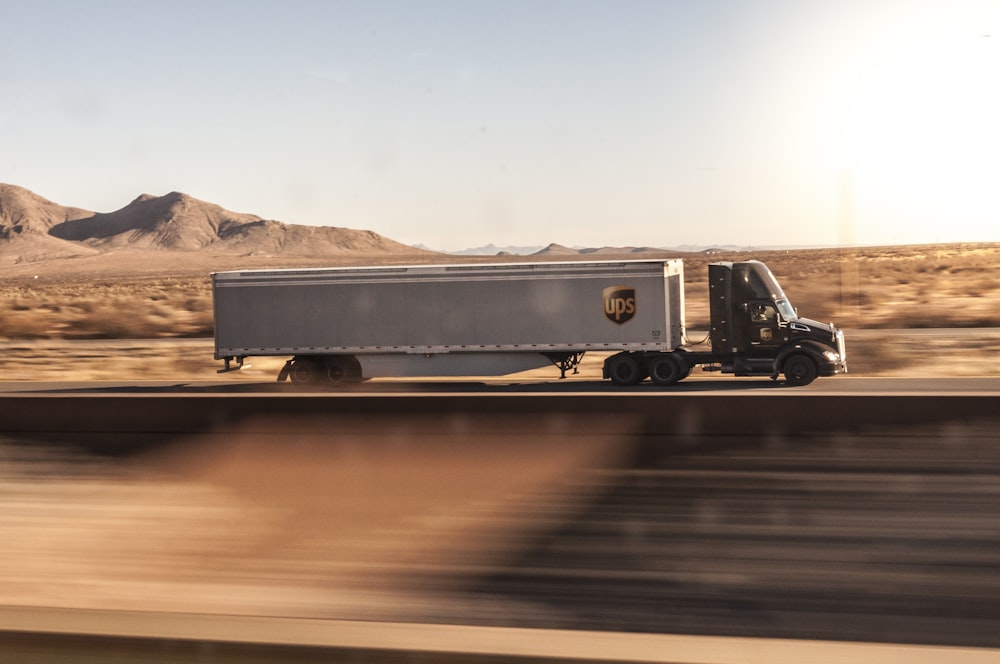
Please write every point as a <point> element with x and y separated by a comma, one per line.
<point>34,229</point>
<point>26,220</point>
<point>560,250</point>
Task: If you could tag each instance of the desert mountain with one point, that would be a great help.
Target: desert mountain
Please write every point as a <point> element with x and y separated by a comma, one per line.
<point>26,220</point>
<point>174,221</point>
<point>22,211</point>
<point>556,250</point>
<point>33,228</point>
<point>494,250</point>
<point>560,250</point>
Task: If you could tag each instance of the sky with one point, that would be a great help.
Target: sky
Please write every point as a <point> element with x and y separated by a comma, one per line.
<point>455,124</point>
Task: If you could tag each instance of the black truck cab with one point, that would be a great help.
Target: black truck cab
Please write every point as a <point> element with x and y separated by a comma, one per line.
<point>755,330</point>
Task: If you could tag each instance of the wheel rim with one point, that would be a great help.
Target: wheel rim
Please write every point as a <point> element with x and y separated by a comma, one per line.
<point>800,371</point>
<point>625,371</point>
<point>336,374</point>
<point>665,371</point>
<point>302,372</point>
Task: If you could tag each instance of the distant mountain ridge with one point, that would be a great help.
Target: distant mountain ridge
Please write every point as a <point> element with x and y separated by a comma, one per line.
<point>493,250</point>
<point>33,228</point>
<point>561,250</point>
<point>177,228</point>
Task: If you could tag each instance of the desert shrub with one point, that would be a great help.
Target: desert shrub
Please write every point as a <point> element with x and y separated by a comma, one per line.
<point>107,310</point>
<point>878,287</point>
<point>873,357</point>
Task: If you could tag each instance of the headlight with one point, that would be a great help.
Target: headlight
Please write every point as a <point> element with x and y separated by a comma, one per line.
<point>831,356</point>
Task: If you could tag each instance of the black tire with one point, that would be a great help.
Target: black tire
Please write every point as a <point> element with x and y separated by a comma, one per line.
<point>800,369</point>
<point>666,370</point>
<point>686,366</point>
<point>624,369</point>
<point>337,374</point>
<point>342,370</point>
<point>304,370</point>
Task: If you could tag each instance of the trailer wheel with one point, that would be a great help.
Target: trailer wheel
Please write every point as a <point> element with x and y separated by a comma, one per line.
<point>341,370</point>
<point>800,369</point>
<point>666,370</point>
<point>304,370</point>
<point>624,369</point>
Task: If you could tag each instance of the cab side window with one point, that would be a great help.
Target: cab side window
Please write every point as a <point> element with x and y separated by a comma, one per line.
<point>762,312</point>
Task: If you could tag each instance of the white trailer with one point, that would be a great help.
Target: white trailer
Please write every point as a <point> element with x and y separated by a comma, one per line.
<point>342,324</point>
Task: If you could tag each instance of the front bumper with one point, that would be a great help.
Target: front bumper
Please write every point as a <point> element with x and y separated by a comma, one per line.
<point>835,362</point>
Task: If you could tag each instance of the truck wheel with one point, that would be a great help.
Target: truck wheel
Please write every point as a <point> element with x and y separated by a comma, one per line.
<point>624,369</point>
<point>336,374</point>
<point>666,370</point>
<point>800,370</point>
<point>304,370</point>
<point>341,370</point>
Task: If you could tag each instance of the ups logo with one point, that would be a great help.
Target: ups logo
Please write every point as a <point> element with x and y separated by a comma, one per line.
<point>619,304</point>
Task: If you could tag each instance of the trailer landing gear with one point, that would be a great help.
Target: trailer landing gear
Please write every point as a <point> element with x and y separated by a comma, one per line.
<point>228,367</point>
<point>565,362</point>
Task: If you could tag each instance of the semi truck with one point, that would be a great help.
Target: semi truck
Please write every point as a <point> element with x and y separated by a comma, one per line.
<point>346,324</point>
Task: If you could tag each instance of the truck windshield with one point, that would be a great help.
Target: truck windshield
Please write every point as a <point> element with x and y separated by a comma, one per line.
<point>760,283</point>
<point>786,309</point>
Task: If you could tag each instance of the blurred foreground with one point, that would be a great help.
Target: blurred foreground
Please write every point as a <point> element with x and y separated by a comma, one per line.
<point>571,520</point>
<point>273,518</point>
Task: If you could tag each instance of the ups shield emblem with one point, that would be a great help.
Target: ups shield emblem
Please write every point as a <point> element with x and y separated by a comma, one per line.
<point>619,304</point>
<point>766,334</point>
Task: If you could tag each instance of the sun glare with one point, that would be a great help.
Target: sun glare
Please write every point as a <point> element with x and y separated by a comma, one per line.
<point>922,137</point>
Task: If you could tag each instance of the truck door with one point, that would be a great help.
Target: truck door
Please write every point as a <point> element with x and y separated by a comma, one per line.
<point>765,330</point>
